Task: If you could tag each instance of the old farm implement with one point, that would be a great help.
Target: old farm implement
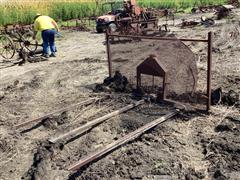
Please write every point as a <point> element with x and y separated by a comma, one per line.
<point>128,18</point>
<point>16,39</point>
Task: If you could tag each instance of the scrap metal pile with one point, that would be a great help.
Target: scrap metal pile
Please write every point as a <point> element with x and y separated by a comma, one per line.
<point>220,12</point>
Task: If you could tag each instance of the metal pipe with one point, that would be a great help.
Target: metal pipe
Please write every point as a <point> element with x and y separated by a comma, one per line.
<point>89,101</point>
<point>158,38</point>
<point>209,69</point>
<point>140,21</point>
<point>125,139</point>
<point>84,128</point>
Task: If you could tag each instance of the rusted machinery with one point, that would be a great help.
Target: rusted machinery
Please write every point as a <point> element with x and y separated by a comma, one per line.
<point>132,19</point>
<point>171,67</point>
<point>18,39</point>
<point>15,39</point>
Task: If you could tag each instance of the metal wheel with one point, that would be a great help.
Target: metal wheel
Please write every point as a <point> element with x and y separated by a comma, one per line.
<point>112,27</point>
<point>7,47</point>
<point>28,42</point>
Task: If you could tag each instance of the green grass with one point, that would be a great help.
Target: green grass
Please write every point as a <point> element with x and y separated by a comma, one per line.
<point>178,4</point>
<point>13,15</point>
<point>62,11</point>
<point>75,10</point>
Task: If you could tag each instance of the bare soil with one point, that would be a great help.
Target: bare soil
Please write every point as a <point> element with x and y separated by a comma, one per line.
<point>192,145</point>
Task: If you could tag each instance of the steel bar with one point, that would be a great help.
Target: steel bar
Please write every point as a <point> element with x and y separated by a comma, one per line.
<point>120,142</point>
<point>108,54</point>
<point>89,101</point>
<point>209,69</point>
<point>158,38</point>
<point>135,22</point>
<point>95,122</point>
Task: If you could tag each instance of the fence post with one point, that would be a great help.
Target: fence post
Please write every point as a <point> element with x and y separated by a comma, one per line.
<point>108,54</point>
<point>209,70</point>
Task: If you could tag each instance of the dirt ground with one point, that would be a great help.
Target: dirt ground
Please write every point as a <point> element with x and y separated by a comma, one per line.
<point>192,145</point>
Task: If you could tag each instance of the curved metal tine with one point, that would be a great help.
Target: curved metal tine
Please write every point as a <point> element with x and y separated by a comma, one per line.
<point>3,45</point>
<point>1,53</point>
<point>8,52</point>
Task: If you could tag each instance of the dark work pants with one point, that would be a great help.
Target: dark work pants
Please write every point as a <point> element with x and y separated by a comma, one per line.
<point>48,37</point>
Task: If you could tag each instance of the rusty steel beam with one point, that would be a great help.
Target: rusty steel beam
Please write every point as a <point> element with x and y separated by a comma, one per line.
<point>135,22</point>
<point>209,70</point>
<point>129,137</point>
<point>93,123</point>
<point>89,101</point>
<point>158,38</point>
<point>108,54</point>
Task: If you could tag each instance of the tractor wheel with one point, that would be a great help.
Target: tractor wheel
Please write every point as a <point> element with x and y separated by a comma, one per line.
<point>7,47</point>
<point>99,30</point>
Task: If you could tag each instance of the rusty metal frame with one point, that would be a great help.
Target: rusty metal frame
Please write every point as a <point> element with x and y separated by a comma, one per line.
<point>208,41</point>
<point>131,22</point>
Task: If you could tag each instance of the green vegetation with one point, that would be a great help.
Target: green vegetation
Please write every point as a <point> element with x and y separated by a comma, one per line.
<point>178,4</point>
<point>75,10</point>
<point>62,11</point>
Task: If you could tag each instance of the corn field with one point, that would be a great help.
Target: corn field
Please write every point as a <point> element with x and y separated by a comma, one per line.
<point>23,11</point>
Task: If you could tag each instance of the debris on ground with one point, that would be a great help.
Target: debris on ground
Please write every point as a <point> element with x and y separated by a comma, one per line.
<point>230,98</point>
<point>205,9</point>
<point>189,23</point>
<point>207,21</point>
<point>216,96</point>
<point>235,3</point>
<point>224,11</point>
<point>53,122</point>
<point>117,83</point>
<point>42,166</point>
<point>204,21</point>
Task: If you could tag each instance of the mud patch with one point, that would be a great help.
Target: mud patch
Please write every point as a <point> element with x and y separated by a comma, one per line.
<point>53,122</point>
<point>4,146</point>
<point>8,149</point>
<point>117,83</point>
<point>34,83</point>
<point>223,151</point>
<point>43,167</point>
<point>231,98</point>
<point>130,123</point>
